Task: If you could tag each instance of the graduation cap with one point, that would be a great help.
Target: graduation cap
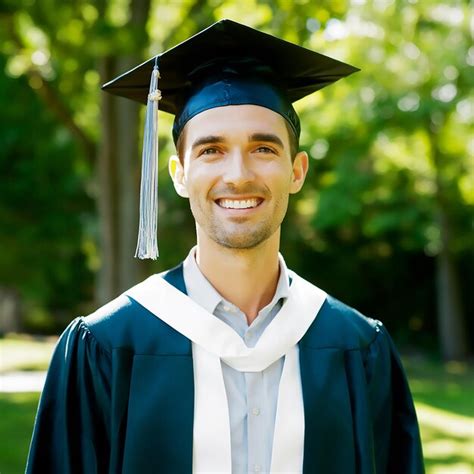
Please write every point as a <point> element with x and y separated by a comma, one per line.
<point>226,64</point>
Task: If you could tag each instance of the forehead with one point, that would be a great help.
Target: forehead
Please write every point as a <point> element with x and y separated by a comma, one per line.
<point>235,120</point>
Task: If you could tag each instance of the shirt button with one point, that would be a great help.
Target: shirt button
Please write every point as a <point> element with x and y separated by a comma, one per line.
<point>257,468</point>
<point>226,308</point>
<point>256,411</point>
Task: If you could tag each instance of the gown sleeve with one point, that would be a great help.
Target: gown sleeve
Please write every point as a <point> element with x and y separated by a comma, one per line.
<point>71,431</point>
<point>397,444</point>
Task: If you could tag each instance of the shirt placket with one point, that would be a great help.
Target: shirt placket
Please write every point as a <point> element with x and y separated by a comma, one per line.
<point>256,434</point>
<point>255,422</point>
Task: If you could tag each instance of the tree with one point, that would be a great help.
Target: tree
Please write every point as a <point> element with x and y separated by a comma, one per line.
<point>398,160</point>
<point>388,201</point>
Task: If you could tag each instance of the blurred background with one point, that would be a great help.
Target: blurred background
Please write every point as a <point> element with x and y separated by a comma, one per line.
<point>385,221</point>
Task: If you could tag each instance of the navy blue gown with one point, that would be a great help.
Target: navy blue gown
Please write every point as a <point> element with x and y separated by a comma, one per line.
<point>119,397</point>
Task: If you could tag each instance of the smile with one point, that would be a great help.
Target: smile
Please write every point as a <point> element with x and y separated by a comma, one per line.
<point>239,203</point>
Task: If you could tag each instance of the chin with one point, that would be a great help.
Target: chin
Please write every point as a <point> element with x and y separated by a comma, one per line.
<point>238,245</point>
<point>242,241</point>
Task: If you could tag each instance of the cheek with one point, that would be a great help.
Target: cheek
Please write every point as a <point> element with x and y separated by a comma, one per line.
<point>199,180</point>
<point>279,166</point>
<point>278,178</point>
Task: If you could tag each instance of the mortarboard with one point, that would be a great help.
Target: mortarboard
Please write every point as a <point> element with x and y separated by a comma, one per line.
<point>226,64</point>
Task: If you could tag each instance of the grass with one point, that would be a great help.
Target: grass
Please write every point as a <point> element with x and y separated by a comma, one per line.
<point>443,394</point>
<point>16,425</point>
<point>22,352</point>
<point>444,398</point>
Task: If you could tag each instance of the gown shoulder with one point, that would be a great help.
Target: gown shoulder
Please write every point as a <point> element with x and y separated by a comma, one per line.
<point>123,324</point>
<point>340,326</point>
<point>74,409</point>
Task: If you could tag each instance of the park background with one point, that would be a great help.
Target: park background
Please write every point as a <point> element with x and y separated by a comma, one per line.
<point>385,221</point>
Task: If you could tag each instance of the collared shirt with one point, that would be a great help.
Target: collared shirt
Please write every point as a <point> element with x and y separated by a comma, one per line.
<point>252,396</point>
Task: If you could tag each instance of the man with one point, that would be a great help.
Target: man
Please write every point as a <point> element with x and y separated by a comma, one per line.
<point>229,362</point>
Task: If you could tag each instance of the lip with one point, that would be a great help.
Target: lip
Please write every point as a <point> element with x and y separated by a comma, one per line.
<point>240,197</point>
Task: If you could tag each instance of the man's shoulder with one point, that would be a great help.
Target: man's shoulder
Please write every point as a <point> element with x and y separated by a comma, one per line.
<point>123,323</point>
<point>340,326</point>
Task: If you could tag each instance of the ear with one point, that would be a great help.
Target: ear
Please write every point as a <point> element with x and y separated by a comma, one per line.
<point>300,169</point>
<point>176,171</point>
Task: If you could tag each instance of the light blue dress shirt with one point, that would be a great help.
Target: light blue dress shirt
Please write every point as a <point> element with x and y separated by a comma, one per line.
<point>252,396</point>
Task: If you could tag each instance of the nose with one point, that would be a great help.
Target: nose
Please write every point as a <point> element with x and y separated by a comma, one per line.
<point>238,169</point>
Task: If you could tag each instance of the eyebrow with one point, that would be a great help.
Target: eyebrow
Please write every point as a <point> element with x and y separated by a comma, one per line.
<point>266,137</point>
<point>208,139</point>
<point>255,137</point>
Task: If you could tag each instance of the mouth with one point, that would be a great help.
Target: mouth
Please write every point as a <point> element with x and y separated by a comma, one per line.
<point>239,204</point>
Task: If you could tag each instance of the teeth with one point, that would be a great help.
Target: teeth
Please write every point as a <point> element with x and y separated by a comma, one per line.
<point>238,204</point>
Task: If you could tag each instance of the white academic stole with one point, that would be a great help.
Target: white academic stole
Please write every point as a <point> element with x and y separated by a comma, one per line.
<point>213,341</point>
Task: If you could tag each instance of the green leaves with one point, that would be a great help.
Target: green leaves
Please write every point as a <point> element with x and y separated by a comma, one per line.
<point>388,145</point>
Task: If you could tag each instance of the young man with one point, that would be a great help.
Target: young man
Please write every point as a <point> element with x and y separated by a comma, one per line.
<point>230,362</point>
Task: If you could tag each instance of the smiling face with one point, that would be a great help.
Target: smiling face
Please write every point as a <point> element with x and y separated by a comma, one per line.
<point>238,173</point>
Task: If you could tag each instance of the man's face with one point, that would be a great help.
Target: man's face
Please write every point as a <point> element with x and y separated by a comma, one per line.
<point>238,173</point>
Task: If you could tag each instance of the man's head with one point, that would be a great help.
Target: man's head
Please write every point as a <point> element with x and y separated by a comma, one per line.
<point>235,134</point>
<point>227,68</point>
<point>237,169</point>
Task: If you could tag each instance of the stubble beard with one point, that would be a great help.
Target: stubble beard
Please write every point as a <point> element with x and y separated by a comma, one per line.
<point>240,239</point>
<point>240,235</point>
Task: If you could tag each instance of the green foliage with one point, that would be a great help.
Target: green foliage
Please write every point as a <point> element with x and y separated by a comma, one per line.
<point>391,150</point>
<point>405,130</point>
<point>43,204</point>
<point>390,146</point>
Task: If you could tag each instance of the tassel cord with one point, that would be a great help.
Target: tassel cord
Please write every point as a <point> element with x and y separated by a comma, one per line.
<point>147,246</point>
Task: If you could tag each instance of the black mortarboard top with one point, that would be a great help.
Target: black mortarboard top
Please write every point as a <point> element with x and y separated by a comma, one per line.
<point>225,64</point>
<point>300,71</point>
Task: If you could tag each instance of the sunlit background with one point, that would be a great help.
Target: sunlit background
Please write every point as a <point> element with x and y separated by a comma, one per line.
<point>385,221</point>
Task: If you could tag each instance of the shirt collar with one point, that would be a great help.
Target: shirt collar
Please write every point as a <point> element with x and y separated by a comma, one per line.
<point>202,292</point>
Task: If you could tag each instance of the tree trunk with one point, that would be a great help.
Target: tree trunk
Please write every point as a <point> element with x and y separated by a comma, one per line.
<point>10,310</point>
<point>107,192</point>
<point>451,322</point>
<point>451,327</point>
<point>118,172</point>
<point>128,158</point>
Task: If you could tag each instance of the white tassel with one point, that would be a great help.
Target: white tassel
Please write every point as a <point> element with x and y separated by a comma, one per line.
<point>147,245</point>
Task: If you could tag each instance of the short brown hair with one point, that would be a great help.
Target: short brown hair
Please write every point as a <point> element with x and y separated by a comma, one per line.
<point>293,140</point>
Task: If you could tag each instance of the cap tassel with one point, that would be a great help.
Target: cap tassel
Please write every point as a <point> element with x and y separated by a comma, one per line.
<point>147,245</point>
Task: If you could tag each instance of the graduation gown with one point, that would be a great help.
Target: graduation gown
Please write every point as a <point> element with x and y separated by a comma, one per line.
<point>119,397</point>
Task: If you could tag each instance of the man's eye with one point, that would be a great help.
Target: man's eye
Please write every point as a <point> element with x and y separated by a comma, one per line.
<point>209,151</point>
<point>264,149</point>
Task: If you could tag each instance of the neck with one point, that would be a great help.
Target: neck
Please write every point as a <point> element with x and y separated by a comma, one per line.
<point>245,277</point>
